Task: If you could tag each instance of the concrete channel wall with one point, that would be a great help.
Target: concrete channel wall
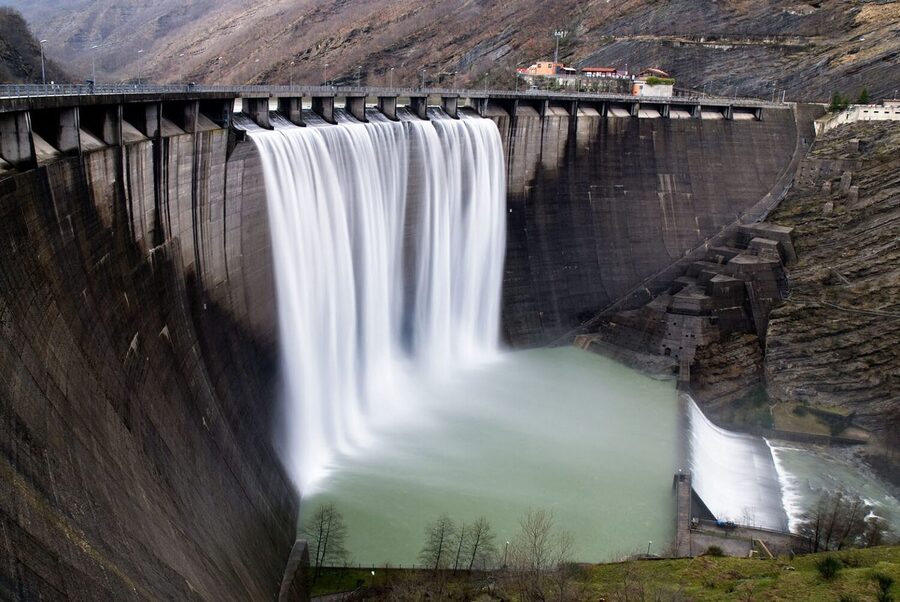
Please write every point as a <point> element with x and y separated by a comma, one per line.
<point>138,334</point>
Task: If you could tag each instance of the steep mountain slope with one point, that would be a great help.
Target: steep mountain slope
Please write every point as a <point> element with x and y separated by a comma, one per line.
<point>733,46</point>
<point>20,52</point>
<point>835,342</point>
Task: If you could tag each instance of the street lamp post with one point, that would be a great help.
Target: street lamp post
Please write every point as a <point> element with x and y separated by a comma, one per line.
<point>292,75</point>
<point>505,554</point>
<point>358,75</point>
<point>140,66</point>
<point>649,543</point>
<point>391,78</point>
<point>519,64</point>
<point>326,74</point>
<point>43,71</point>
<point>558,34</point>
<point>94,63</point>
<point>424,74</point>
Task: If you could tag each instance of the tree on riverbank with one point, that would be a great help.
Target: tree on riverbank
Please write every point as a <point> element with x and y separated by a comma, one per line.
<point>466,547</point>
<point>327,535</point>
<point>439,536</point>
<point>839,520</point>
<point>540,555</point>
<point>481,548</point>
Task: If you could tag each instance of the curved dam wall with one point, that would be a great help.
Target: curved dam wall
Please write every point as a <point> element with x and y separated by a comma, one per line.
<point>599,204</point>
<point>136,386</point>
<point>138,324</point>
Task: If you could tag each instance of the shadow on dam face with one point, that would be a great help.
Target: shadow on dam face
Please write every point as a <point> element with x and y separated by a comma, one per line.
<point>598,206</point>
<point>138,329</point>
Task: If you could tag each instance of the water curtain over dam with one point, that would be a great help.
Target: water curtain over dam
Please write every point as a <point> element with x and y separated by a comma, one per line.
<point>388,243</point>
<point>734,474</point>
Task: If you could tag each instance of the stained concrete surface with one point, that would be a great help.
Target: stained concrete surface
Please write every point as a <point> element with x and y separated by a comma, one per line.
<point>136,402</point>
<point>597,208</point>
<point>138,331</point>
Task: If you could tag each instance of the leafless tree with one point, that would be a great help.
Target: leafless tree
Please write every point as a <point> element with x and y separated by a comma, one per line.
<point>877,532</point>
<point>539,556</point>
<point>481,546</point>
<point>462,537</point>
<point>327,536</point>
<point>836,521</point>
<point>439,538</point>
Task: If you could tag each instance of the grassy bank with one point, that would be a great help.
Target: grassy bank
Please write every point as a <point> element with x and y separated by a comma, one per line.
<point>699,579</point>
<point>709,578</point>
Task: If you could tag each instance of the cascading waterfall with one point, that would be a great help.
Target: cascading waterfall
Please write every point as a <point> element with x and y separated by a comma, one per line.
<point>388,243</point>
<point>734,474</point>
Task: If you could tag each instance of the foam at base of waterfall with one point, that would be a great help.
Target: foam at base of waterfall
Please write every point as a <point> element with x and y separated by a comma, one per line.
<point>791,499</point>
<point>388,242</point>
<point>734,474</point>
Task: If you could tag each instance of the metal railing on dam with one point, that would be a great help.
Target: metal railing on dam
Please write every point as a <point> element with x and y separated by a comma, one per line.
<point>41,122</point>
<point>19,91</point>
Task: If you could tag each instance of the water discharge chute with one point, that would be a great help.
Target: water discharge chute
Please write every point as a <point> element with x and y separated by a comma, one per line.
<point>388,242</point>
<point>734,474</point>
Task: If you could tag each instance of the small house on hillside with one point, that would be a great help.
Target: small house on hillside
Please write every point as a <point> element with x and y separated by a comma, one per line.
<point>653,82</point>
<point>546,68</point>
<point>653,72</point>
<point>601,72</point>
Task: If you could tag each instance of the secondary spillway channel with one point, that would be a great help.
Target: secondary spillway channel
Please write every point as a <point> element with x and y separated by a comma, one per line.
<point>388,242</point>
<point>734,474</point>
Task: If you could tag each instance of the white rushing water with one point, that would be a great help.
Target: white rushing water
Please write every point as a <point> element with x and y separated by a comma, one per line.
<point>388,243</point>
<point>734,474</point>
<point>806,474</point>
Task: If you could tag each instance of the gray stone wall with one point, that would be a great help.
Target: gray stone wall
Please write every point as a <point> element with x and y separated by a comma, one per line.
<point>136,399</point>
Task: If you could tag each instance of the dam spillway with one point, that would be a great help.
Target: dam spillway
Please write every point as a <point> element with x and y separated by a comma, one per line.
<point>734,474</point>
<point>385,268</point>
<point>140,332</point>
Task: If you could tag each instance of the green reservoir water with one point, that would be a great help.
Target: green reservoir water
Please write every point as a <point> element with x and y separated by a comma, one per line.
<point>559,429</point>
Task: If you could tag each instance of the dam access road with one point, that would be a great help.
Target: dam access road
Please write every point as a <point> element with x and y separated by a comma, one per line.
<point>138,327</point>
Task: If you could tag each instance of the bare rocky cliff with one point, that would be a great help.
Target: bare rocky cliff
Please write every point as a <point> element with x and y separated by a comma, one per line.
<point>807,48</point>
<point>808,346</point>
<point>836,341</point>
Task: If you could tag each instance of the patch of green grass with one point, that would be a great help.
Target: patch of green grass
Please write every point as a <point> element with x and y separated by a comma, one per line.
<point>719,578</point>
<point>337,580</point>
<point>867,574</point>
<point>828,567</point>
<point>751,409</point>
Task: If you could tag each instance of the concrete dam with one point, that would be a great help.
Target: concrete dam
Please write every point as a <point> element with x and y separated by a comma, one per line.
<point>140,330</point>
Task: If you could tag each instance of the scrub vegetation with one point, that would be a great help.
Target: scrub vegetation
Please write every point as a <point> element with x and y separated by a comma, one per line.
<point>865,574</point>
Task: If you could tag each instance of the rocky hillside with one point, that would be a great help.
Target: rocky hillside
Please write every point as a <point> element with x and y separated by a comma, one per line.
<point>756,47</point>
<point>837,339</point>
<point>20,52</point>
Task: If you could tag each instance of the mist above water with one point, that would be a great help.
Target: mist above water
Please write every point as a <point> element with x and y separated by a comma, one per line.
<point>388,242</point>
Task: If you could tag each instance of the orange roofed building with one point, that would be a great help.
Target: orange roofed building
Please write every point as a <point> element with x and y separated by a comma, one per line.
<point>548,68</point>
